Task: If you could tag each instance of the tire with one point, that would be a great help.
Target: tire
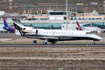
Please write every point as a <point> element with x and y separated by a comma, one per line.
<point>53,42</point>
<point>94,43</point>
<point>34,41</point>
<point>44,43</point>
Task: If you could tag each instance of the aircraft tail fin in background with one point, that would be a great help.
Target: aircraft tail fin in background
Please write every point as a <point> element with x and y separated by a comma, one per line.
<point>78,26</point>
<point>5,22</point>
<point>76,18</point>
<point>7,27</point>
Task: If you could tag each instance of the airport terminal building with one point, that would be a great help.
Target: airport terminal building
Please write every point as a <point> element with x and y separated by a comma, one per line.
<point>55,20</point>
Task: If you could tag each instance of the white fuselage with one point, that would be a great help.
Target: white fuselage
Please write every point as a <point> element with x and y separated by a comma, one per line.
<point>63,34</point>
<point>53,35</point>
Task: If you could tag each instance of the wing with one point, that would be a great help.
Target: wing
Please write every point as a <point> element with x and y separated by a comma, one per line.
<point>50,38</point>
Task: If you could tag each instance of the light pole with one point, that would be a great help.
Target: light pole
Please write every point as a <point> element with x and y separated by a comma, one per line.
<point>66,15</point>
<point>104,5</point>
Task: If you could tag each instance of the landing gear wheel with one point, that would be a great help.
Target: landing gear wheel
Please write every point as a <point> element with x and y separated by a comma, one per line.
<point>94,43</point>
<point>53,42</point>
<point>34,41</point>
<point>44,43</point>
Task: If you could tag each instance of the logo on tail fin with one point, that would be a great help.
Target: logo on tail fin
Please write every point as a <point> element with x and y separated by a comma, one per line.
<point>78,26</point>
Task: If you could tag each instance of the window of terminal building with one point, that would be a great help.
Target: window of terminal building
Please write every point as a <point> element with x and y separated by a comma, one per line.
<point>89,18</point>
<point>93,18</point>
<point>71,18</point>
<point>98,18</point>
<point>83,18</point>
<point>32,19</point>
<point>44,19</point>
<point>64,18</point>
<point>79,18</point>
<point>57,13</point>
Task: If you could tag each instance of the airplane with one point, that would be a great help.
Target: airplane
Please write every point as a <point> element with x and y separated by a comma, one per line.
<point>8,28</point>
<point>53,35</point>
<point>93,29</point>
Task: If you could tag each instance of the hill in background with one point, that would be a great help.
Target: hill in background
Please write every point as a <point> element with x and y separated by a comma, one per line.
<point>51,2</point>
<point>38,5</point>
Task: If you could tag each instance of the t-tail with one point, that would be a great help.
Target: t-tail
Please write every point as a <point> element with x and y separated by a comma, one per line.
<point>8,28</point>
<point>78,26</point>
<point>18,26</point>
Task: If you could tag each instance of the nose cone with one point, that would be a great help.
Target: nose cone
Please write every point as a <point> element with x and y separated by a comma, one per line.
<point>97,38</point>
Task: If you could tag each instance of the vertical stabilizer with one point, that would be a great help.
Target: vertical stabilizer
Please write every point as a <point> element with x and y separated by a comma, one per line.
<point>78,26</point>
<point>5,23</point>
<point>18,26</point>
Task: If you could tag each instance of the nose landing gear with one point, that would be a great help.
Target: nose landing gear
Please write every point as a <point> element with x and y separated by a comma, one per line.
<point>94,42</point>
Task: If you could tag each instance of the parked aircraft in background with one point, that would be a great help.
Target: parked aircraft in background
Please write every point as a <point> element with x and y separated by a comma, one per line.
<point>8,28</point>
<point>53,35</point>
<point>93,29</point>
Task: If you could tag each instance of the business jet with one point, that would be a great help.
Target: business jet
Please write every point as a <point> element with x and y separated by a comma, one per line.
<point>7,27</point>
<point>53,35</point>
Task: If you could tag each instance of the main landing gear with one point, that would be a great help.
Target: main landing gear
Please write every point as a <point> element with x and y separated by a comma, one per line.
<point>34,41</point>
<point>45,42</point>
<point>53,42</point>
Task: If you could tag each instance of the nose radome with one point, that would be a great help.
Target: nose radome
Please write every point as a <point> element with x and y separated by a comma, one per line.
<point>98,37</point>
